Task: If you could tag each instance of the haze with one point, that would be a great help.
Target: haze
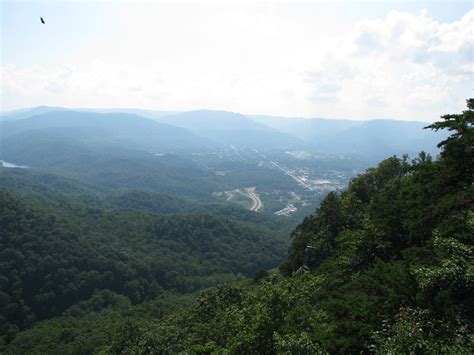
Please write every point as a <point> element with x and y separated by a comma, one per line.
<point>386,59</point>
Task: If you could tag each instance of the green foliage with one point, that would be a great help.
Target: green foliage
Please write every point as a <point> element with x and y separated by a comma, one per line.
<point>417,331</point>
<point>52,258</point>
<point>97,324</point>
<point>455,267</point>
<point>386,266</point>
<point>276,316</point>
<point>260,274</point>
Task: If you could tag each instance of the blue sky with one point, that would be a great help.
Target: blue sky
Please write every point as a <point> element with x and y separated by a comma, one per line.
<point>362,60</point>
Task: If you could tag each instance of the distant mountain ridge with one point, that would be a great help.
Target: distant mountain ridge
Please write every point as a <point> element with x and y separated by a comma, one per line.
<point>137,131</point>
<point>230,128</point>
<point>382,138</point>
<point>30,112</point>
<point>375,138</point>
<point>149,129</point>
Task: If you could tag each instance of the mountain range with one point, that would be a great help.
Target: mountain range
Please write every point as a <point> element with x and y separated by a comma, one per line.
<point>165,131</point>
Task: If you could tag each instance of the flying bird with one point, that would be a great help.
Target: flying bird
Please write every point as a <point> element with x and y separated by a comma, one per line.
<point>42,21</point>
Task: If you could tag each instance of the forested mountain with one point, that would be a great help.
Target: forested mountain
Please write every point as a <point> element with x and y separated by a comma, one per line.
<point>57,190</point>
<point>307,129</point>
<point>104,129</point>
<point>203,177</point>
<point>373,139</point>
<point>194,130</point>
<point>380,138</point>
<point>124,151</point>
<point>231,128</point>
<point>54,256</point>
<point>27,112</point>
<point>115,151</point>
<point>384,266</point>
<point>35,111</point>
<point>115,169</point>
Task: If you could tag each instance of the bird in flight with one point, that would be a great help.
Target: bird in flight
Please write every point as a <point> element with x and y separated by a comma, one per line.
<point>42,21</point>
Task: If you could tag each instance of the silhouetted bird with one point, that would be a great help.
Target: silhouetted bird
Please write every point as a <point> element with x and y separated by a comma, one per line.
<point>42,21</point>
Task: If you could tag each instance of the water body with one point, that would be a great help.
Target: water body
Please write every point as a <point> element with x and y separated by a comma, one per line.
<point>6,164</point>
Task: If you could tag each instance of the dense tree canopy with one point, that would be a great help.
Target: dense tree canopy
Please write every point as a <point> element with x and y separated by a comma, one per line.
<point>390,265</point>
<point>51,258</point>
<point>386,266</point>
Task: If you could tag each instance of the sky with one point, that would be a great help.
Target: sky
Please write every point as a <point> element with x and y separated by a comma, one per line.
<point>408,60</point>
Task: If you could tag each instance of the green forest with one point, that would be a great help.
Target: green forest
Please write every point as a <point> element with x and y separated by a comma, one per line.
<point>385,266</point>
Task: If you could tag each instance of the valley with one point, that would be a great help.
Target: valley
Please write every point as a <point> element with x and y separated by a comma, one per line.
<point>204,156</point>
<point>128,212</point>
<point>236,177</point>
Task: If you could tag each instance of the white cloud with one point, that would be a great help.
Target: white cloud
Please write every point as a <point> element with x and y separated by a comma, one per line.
<point>405,66</point>
<point>402,66</point>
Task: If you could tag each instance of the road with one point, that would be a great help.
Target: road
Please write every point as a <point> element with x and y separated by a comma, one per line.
<point>295,177</point>
<point>256,202</point>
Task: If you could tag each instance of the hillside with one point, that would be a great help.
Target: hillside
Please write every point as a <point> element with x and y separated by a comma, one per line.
<point>105,129</point>
<point>383,266</point>
<point>386,266</point>
<point>236,177</point>
<point>120,152</point>
<point>373,139</point>
<point>307,129</point>
<point>381,138</point>
<point>211,129</point>
<point>54,256</point>
<point>115,151</point>
<point>231,129</point>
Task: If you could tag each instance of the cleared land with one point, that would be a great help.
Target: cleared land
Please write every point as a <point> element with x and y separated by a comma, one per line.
<point>256,202</point>
<point>247,193</point>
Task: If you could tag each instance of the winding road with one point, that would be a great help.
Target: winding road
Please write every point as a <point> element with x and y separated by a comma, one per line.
<point>256,202</point>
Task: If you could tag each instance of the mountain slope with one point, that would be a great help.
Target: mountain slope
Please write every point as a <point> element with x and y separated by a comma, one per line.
<point>230,128</point>
<point>384,267</point>
<point>373,139</point>
<point>27,112</point>
<point>30,112</point>
<point>117,128</point>
<point>307,129</point>
<point>381,138</point>
<point>376,138</point>
<point>54,257</point>
<point>116,168</point>
<point>115,151</point>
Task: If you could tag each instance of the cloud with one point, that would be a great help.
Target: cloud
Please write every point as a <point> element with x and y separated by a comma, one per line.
<point>404,65</point>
